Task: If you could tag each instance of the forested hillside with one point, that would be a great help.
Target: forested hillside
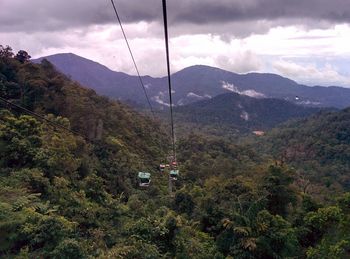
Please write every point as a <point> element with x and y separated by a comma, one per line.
<point>234,114</point>
<point>195,83</point>
<point>318,146</point>
<point>67,196</point>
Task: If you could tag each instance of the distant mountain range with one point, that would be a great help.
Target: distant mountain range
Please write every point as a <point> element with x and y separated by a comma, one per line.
<point>241,113</point>
<point>195,83</point>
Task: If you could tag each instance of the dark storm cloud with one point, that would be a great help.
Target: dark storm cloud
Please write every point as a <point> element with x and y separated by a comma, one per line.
<point>208,11</point>
<point>49,15</point>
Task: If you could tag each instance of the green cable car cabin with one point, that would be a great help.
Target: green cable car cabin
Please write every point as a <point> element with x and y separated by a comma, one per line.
<point>174,174</point>
<point>144,179</point>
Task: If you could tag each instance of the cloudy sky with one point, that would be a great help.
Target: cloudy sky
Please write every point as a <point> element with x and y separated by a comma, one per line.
<point>305,40</point>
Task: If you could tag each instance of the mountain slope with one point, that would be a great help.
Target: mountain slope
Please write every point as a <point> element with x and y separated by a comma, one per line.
<point>195,83</point>
<point>319,146</point>
<point>240,112</point>
<point>207,81</point>
<point>64,197</point>
<point>98,77</point>
<point>40,87</point>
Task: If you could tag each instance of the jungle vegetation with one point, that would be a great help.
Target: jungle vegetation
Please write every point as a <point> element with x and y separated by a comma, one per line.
<point>67,196</point>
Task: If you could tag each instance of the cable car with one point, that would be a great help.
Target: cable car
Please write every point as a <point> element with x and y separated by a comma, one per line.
<point>174,174</point>
<point>144,179</point>
<point>162,167</point>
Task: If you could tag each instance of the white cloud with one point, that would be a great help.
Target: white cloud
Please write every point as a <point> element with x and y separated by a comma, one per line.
<point>240,62</point>
<point>250,92</point>
<point>190,94</point>
<point>230,87</point>
<point>197,96</point>
<point>258,52</point>
<point>160,99</point>
<point>103,44</point>
<point>253,93</point>
<point>244,115</point>
<point>311,74</point>
<point>296,41</point>
<point>211,50</point>
<point>308,102</point>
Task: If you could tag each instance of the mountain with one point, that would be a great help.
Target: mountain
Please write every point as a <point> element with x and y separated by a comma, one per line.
<point>207,81</point>
<point>98,77</point>
<point>195,83</point>
<point>66,196</point>
<point>242,113</point>
<point>48,91</point>
<point>318,146</point>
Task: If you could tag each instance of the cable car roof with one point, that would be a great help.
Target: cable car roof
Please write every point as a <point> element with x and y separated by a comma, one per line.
<point>144,175</point>
<point>174,172</point>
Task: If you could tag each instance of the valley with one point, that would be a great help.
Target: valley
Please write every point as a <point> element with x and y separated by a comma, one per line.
<point>179,129</point>
<point>66,195</point>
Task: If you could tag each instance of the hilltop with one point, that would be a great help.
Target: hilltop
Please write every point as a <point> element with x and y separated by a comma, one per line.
<point>67,196</point>
<point>195,83</point>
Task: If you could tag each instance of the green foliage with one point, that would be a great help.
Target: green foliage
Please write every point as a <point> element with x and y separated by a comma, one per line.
<point>62,196</point>
<point>6,52</point>
<point>21,138</point>
<point>58,192</point>
<point>260,235</point>
<point>47,231</point>
<point>184,203</point>
<point>232,114</point>
<point>280,195</point>
<point>134,248</point>
<point>325,251</point>
<point>68,249</point>
<point>22,56</point>
<point>191,243</point>
<point>323,218</point>
<point>318,146</point>
<point>330,232</point>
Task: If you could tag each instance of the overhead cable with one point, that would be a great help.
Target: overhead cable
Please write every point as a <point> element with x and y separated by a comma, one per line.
<point>132,57</point>
<point>165,18</point>
<point>34,114</point>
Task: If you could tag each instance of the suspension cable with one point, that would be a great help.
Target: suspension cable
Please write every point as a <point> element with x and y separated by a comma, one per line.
<point>165,18</point>
<point>132,57</point>
<point>52,123</point>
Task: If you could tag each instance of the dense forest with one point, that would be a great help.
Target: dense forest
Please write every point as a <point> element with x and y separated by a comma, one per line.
<point>66,195</point>
<point>234,114</point>
<point>318,147</point>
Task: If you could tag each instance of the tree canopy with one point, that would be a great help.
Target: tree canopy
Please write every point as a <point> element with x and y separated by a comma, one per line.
<point>65,196</point>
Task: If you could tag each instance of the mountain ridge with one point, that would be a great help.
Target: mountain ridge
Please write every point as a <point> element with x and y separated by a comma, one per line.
<point>234,113</point>
<point>194,83</point>
<point>283,196</point>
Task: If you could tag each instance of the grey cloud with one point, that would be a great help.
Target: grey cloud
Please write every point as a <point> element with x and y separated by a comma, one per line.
<point>53,15</point>
<point>226,31</point>
<point>48,15</point>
